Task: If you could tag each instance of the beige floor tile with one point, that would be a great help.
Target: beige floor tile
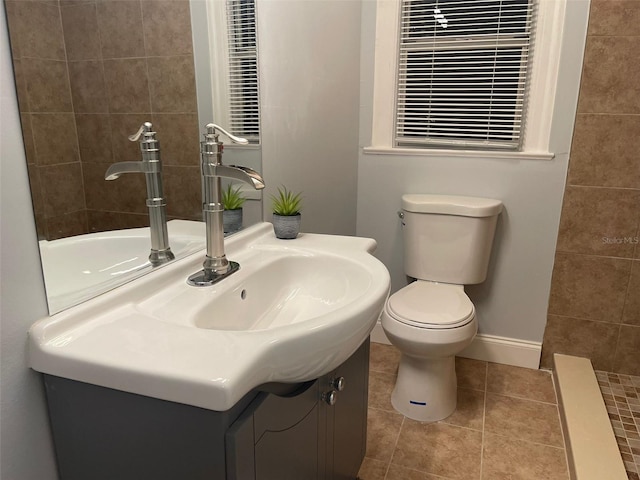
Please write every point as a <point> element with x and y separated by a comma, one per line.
<point>471,373</point>
<point>439,449</point>
<point>380,388</point>
<point>469,411</point>
<point>382,433</point>
<point>384,358</point>
<point>508,459</point>
<point>523,419</point>
<point>372,469</point>
<point>397,472</point>
<point>520,382</point>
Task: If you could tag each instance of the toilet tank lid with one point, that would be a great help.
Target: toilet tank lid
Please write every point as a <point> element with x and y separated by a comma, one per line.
<point>451,205</point>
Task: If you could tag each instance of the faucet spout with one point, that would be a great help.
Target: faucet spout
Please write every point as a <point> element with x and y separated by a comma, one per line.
<point>114,171</point>
<point>243,174</point>
<point>151,166</point>
<point>216,266</point>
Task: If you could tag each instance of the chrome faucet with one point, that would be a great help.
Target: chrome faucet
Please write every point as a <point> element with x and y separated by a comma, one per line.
<point>216,266</point>
<point>151,166</point>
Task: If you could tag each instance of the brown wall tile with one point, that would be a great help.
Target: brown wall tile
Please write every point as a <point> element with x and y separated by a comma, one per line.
<point>36,189</point>
<point>182,189</point>
<point>62,188</point>
<point>582,338</point>
<point>88,88</point>
<point>127,86</point>
<point>598,220</point>
<point>167,27</point>
<point>73,3</point>
<point>589,287</point>
<point>179,138</point>
<point>47,85</point>
<point>21,86</point>
<point>120,24</point>
<point>631,314</point>
<point>627,359</point>
<point>67,225</point>
<point>94,137</point>
<point>619,17</point>
<point>122,126</point>
<point>80,24</point>
<point>55,139</point>
<point>609,76</point>
<point>103,221</point>
<point>172,84</point>
<point>14,24</point>
<point>27,137</point>
<point>38,29</point>
<point>605,151</point>
<point>125,194</point>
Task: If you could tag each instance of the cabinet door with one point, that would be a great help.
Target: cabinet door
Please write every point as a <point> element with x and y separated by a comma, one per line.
<point>348,417</point>
<point>277,438</point>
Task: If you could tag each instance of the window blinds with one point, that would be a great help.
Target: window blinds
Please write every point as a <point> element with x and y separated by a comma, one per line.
<point>462,72</point>
<point>244,105</point>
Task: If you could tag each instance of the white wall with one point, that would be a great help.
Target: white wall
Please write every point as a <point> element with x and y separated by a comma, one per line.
<point>513,301</point>
<point>26,451</point>
<point>309,72</point>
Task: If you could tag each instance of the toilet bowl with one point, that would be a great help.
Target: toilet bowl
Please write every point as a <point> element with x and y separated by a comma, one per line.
<point>447,242</point>
<point>429,323</point>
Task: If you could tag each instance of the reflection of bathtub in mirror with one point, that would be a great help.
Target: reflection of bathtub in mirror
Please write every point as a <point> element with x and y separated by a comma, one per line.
<point>81,267</point>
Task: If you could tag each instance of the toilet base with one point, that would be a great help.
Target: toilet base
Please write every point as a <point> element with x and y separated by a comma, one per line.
<point>426,388</point>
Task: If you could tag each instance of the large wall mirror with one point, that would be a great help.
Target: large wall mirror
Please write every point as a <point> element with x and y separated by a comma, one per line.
<point>88,74</point>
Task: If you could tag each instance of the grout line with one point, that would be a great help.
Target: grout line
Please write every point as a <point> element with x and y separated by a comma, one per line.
<point>395,445</point>
<point>484,415</point>
<point>522,398</point>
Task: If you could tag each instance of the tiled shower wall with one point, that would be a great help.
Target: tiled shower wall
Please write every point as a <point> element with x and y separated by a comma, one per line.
<point>594,308</point>
<point>88,73</point>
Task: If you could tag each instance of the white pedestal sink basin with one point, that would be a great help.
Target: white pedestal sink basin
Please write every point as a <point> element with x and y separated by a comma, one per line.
<point>294,311</point>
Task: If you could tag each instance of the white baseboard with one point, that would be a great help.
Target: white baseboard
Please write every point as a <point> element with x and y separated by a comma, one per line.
<point>490,348</point>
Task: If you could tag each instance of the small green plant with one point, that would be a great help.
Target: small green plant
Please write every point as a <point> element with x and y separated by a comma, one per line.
<point>232,198</point>
<point>286,203</point>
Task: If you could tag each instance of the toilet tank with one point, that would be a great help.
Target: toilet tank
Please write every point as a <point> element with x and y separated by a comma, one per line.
<point>448,238</point>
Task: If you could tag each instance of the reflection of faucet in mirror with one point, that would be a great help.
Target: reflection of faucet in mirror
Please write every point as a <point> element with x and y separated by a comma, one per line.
<point>151,166</point>
<point>216,266</point>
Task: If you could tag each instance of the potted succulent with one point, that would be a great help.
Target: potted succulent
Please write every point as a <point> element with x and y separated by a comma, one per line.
<point>286,213</point>
<point>232,202</point>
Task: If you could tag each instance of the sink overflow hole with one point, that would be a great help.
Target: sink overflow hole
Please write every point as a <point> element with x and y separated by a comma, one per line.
<point>243,294</point>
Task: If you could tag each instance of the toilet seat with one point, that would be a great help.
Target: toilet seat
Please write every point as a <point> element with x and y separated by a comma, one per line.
<point>431,305</point>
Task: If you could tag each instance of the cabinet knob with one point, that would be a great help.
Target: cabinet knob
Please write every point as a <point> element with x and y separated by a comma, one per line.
<point>338,383</point>
<point>330,397</point>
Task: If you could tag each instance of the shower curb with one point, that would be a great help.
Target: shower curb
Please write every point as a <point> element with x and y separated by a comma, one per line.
<point>592,450</point>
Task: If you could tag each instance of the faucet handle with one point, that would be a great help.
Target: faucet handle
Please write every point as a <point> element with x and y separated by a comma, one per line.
<point>211,131</point>
<point>144,128</point>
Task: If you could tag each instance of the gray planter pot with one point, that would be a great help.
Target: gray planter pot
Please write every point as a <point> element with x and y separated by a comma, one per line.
<point>232,220</point>
<point>286,227</point>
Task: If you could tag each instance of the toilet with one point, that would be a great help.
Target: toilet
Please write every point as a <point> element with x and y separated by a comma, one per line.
<point>447,244</point>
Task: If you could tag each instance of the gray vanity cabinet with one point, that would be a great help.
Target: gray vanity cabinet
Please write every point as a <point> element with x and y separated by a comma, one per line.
<point>308,435</point>
<point>104,434</point>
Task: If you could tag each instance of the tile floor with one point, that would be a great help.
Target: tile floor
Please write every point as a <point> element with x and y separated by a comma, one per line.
<point>620,393</point>
<point>506,426</point>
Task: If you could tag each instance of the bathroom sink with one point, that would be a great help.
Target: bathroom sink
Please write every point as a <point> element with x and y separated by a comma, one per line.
<point>294,311</point>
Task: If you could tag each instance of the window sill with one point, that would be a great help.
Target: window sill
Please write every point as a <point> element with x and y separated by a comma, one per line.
<point>437,152</point>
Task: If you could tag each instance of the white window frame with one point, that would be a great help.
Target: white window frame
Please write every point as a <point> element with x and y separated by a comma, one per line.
<point>548,35</point>
<point>219,51</point>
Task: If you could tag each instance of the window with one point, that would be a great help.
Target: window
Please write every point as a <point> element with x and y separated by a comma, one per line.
<point>463,72</point>
<point>234,52</point>
<point>548,96</point>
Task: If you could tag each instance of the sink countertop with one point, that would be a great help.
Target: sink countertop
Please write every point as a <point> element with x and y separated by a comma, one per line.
<point>141,338</point>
